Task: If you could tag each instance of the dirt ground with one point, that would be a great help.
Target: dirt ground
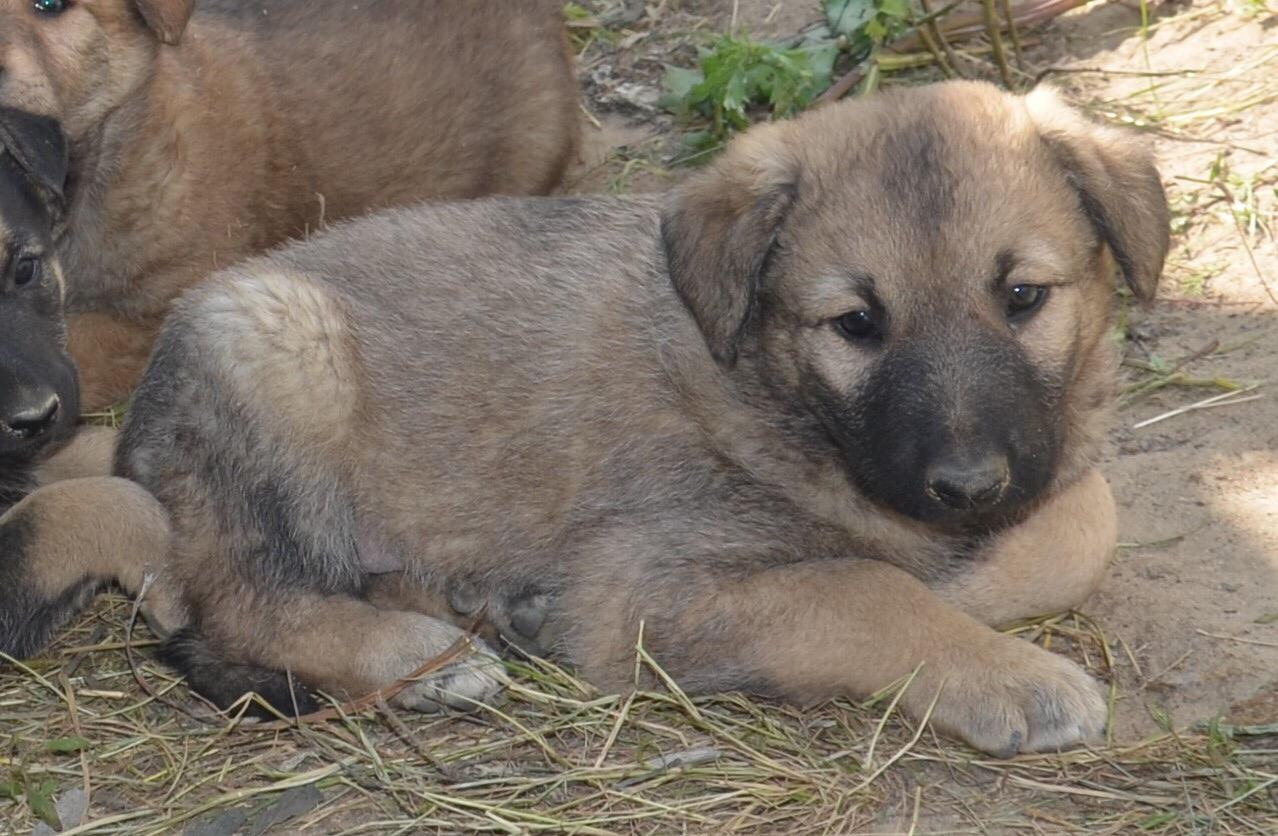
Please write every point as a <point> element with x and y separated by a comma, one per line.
<point>1192,604</point>
<point>1185,629</point>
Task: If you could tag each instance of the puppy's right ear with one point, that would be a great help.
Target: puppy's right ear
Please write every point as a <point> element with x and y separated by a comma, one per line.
<point>720,226</point>
<point>167,18</point>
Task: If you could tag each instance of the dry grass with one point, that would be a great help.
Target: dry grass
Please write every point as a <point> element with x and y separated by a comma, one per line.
<point>559,757</point>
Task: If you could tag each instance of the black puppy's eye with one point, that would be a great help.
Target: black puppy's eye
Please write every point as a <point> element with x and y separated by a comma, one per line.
<point>857,325</point>
<point>50,7</point>
<point>26,271</point>
<point>1024,299</point>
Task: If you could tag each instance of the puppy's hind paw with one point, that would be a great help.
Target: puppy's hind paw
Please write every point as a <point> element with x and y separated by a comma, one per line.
<point>478,678</point>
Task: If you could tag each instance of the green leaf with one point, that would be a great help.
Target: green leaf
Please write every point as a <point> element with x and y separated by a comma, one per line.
<point>574,11</point>
<point>738,75</point>
<point>898,9</point>
<point>40,800</point>
<point>10,790</point>
<point>849,17</point>
<point>679,82</point>
<point>65,745</point>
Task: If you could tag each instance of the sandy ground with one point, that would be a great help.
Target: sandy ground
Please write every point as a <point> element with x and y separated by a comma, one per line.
<point>1191,608</point>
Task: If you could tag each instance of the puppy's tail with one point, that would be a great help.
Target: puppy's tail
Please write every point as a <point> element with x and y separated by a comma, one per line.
<point>225,683</point>
<point>63,542</point>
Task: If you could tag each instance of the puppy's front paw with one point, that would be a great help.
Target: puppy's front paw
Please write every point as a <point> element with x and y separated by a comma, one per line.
<point>1016,697</point>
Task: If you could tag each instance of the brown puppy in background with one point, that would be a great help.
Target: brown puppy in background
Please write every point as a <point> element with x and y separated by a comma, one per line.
<point>202,133</point>
<point>811,422</point>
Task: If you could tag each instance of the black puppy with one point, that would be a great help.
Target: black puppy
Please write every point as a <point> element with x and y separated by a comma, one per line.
<point>39,391</point>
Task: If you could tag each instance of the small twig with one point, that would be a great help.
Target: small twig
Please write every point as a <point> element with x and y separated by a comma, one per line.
<point>405,734</point>
<point>357,706</point>
<point>868,760</point>
<point>928,35</point>
<point>1009,20</point>
<point>1238,639</point>
<point>996,40</point>
<point>900,753</point>
<point>1223,399</point>
<point>933,27</point>
<point>162,699</point>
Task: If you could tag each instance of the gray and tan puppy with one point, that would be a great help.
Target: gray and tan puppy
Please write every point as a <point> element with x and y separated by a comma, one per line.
<point>202,133</point>
<point>814,420</point>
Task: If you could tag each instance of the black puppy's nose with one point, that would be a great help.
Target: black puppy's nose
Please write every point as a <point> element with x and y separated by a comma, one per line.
<point>968,484</point>
<point>32,417</point>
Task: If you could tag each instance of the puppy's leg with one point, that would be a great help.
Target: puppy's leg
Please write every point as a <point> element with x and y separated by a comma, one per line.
<point>111,353</point>
<point>346,647</point>
<point>499,618</point>
<point>64,541</point>
<point>88,454</point>
<point>831,628</point>
<point>1050,563</point>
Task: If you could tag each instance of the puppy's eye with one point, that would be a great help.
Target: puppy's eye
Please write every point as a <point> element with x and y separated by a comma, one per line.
<point>26,271</point>
<point>1024,299</point>
<point>50,7</point>
<point>857,325</point>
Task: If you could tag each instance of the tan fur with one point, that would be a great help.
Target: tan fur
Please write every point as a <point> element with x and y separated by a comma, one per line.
<point>99,530</point>
<point>197,145</point>
<point>276,333</point>
<point>1051,563</point>
<point>88,454</point>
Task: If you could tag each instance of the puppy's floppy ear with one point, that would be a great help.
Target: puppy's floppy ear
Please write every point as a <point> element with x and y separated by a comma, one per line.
<point>1117,183</point>
<point>167,18</point>
<point>720,226</point>
<point>37,144</point>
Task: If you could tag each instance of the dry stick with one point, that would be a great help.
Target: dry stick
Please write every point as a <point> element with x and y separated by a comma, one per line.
<point>1010,21</point>
<point>957,28</point>
<point>404,733</point>
<point>137,672</point>
<point>996,40</point>
<point>937,55</point>
<point>1238,639</point>
<point>1025,14</point>
<point>934,28</point>
<point>1230,398</point>
<point>357,706</point>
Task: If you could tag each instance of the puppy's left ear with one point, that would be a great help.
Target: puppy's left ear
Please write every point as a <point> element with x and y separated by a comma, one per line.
<point>720,226</point>
<point>36,142</point>
<point>1117,183</point>
<point>167,18</point>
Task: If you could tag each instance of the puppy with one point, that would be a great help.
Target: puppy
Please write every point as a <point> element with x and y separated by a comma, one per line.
<point>39,398</point>
<point>809,424</point>
<point>202,134</point>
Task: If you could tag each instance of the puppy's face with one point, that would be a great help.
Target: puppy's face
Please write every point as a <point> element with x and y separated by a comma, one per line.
<point>39,394</point>
<point>935,287</point>
<point>78,60</point>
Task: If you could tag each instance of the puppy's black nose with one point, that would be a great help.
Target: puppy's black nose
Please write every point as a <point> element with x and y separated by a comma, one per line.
<point>968,483</point>
<point>30,417</point>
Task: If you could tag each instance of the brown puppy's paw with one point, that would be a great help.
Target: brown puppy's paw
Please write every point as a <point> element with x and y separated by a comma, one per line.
<point>1017,697</point>
<point>477,677</point>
